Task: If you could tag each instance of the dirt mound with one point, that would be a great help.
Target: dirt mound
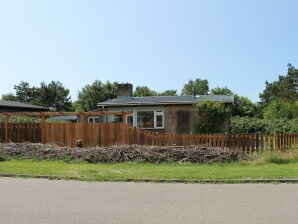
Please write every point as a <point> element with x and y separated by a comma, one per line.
<point>120,153</point>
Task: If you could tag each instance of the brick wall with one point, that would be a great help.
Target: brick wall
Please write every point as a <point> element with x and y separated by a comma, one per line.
<point>171,119</point>
<point>175,124</point>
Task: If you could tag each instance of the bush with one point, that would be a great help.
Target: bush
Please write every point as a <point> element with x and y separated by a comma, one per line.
<point>2,158</point>
<point>20,119</point>
<point>256,125</point>
<point>210,116</point>
<point>278,109</point>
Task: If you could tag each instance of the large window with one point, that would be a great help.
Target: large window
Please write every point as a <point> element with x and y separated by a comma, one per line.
<point>150,119</point>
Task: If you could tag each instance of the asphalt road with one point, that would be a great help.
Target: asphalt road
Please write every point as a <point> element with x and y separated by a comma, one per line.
<point>51,201</point>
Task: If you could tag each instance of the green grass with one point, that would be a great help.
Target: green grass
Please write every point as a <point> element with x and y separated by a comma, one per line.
<point>277,156</point>
<point>134,170</point>
<point>263,165</point>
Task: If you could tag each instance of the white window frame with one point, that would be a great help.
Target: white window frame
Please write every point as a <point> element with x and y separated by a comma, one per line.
<point>92,119</point>
<point>159,113</point>
<point>156,113</point>
<point>134,112</point>
<point>127,118</point>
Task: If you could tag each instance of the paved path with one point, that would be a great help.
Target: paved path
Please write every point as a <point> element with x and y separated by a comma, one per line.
<point>44,201</point>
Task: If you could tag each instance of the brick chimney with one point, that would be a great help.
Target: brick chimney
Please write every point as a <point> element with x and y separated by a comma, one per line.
<point>124,91</point>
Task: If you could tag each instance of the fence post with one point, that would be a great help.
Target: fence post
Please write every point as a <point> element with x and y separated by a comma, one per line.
<point>257,142</point>
<point>227,141</point>
<point>80,126</point>
<point>6,127</point>
<point>43,132</point>
<point>123,129</point>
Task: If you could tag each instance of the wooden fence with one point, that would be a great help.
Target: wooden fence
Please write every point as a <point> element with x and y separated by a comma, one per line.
<point>98,134</point>
<point>233,141</point>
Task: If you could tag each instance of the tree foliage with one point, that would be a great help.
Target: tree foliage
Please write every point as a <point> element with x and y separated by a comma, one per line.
<point>141,91</point>
<point>20,119</point>
<point>286,88</point>
<point>144,91</point>
<point>210,116</point>
<point>241,125</point>
<point>9,97</point>
<point>97,92</point>
<point>277,109</point>
<point>168,92</point>
<point>198,86</point>
<point>221,91</point>
<point>244,107</point>
<point>53,95</point>
<point>77,107</point>
<point>27,94</point>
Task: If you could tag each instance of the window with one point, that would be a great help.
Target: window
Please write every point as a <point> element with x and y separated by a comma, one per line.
<point>129,119</point>
<point>117,118</point>
<point>159,119</point>
<point>93,120</point>
<point>150,119</point>
<point>145,119</point>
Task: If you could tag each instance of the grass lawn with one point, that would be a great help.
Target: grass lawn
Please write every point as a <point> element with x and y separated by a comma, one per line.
<point>134,170</point>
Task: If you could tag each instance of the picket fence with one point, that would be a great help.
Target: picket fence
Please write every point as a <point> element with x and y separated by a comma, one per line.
<point>105,134</point>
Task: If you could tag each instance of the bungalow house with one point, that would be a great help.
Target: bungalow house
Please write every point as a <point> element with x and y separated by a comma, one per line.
<point>167,114</point>
<point>15,106</point>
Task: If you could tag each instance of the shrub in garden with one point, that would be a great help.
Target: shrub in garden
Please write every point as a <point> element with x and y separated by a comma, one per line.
<point>256,125</point>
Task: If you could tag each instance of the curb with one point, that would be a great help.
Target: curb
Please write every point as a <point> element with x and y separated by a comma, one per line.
<point>215,181</point>
<point>146,180</point>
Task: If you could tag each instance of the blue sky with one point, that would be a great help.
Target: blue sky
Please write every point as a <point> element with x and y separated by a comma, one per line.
<point>158,43</point>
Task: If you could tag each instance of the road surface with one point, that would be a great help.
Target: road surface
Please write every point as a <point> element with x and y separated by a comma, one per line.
<point>50,201</point>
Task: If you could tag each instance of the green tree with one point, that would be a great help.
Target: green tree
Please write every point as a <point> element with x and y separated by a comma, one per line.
<point>210,116</point>
<point>27,94</point>
<point>244,107</point>
<point>55,96</point>
<point>97,92</point>
<point>241,125</point>
<point>281,109</point>
<point>9,97</point>
<point>221,91</point>
<point>144,91</point>
<point>198,86</point>
<point>169,92</point>
<point>286,88</point>
<point>77,107</point>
